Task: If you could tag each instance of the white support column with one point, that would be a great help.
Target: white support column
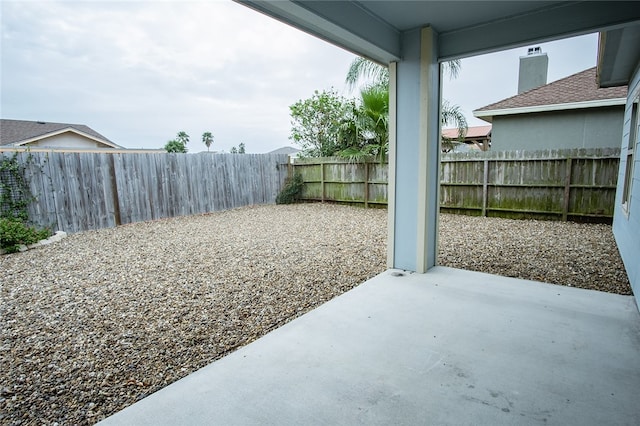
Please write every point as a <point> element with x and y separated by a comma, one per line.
<point>391,178</point>
<point>414,206</point>
<point>429,157</point>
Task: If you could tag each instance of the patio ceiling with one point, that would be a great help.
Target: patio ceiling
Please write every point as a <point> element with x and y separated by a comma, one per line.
<point>374,28</point>
<point>618,55</point>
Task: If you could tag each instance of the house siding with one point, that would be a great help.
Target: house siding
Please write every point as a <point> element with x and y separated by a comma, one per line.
<point>626,227</point>
<point>67,140</point>
<point>586,128</point>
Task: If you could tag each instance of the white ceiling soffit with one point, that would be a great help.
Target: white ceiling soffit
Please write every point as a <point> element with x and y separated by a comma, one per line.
<point>345,24</point>
<point>618,55</point>
<point>374,28</point>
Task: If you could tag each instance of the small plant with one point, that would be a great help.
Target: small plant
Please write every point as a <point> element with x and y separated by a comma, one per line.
<point>292,190</point>
<point>14,191</point>
<point>14,233</point>
<point>14,199</point>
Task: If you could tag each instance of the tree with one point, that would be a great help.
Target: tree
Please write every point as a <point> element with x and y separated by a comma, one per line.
<point>363,69</point>
<point>178,144</point>
<point>207,139</point>
<point>371,124</point>
<point>239,150</point>
<point>175,146</point>
<point>317,123</point>
<point>183,137</point>
<point>377,75</point>
<point>452,115</point>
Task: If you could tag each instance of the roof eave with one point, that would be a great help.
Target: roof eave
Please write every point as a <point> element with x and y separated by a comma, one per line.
<point>618,55</point>
<point>487,115</point>
<point>65,130</point>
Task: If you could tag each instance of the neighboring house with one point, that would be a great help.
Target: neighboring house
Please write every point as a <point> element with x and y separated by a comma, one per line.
<point>573,112</point>
<point>292,152</point>
<point>289,150</point>
<point>38,134</point>
<point>477,137</point>
<point>618,65</point>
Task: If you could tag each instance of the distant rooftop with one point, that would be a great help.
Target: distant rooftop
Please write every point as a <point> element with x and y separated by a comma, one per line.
<point>472,132</point>
<point>16,131</point>
<point>285,150</point>
<point>578,90</point>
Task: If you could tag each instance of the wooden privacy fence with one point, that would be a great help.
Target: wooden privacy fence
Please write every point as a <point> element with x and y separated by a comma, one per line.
<point>81,191</point>
<point>341,180</point>
<point>553,184</point>
<point>556,184</point>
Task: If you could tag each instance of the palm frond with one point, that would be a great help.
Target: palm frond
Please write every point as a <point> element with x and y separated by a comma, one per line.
<point>452,68</point>
<point>451,115</point>
<point>363,69</point>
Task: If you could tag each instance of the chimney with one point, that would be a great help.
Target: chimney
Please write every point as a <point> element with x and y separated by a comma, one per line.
<point>533,70</point>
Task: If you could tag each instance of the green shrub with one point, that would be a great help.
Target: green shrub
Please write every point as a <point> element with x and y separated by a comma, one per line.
<point>13,233</point>
<point>292,190</point>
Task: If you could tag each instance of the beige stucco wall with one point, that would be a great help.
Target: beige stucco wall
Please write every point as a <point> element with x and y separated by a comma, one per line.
<point>68,140</point>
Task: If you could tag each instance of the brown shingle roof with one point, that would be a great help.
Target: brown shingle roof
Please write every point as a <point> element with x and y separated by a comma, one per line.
<point>580,87</point>
<point>13,131</point>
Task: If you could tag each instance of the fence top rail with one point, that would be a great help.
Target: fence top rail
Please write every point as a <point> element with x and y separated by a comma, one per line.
<point>81,150</point>
<point>335,160</point>
<point>478,160</point>
<point>550,154</point>
<point>280,158</point>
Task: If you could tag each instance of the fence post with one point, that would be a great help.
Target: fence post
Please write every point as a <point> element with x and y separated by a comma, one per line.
<point>567,190</point>
<point>322,178</point>
<point>114,190</point>
<point>366,184</point>
<point>485,187</point>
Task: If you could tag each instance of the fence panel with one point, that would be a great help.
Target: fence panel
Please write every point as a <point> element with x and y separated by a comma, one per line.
<point>552,184</point>
<point>81,191</point>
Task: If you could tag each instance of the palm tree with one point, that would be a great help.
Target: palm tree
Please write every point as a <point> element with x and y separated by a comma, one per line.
<point>452,116</point>
<point>377,75</point>
<point>365,132</point>
<point>183,137</point>
<point>207,139</point>
<point>375,116</point>
<point>363,69</point>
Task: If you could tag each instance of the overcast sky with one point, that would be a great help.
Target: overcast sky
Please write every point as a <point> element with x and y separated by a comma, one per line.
<point>138,72</point>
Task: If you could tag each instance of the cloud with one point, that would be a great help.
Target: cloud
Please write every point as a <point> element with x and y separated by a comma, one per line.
<point>140,71</point>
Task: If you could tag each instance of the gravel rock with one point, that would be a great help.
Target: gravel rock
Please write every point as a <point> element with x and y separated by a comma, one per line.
<point>566,253</point>
<point>101,319</point>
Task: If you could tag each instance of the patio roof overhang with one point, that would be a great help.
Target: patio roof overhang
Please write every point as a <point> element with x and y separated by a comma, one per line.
<point>374,29</point>
<point>618,55</point>
<point>413,38</point>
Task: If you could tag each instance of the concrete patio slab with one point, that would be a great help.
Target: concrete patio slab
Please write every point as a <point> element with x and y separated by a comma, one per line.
<point>449,347</point>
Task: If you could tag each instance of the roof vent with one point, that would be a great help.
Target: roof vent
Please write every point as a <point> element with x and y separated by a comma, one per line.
<point>534,50</point>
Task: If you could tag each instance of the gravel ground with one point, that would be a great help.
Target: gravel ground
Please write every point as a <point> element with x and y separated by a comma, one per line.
<point>101,319</point>
<point>566,253</point>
